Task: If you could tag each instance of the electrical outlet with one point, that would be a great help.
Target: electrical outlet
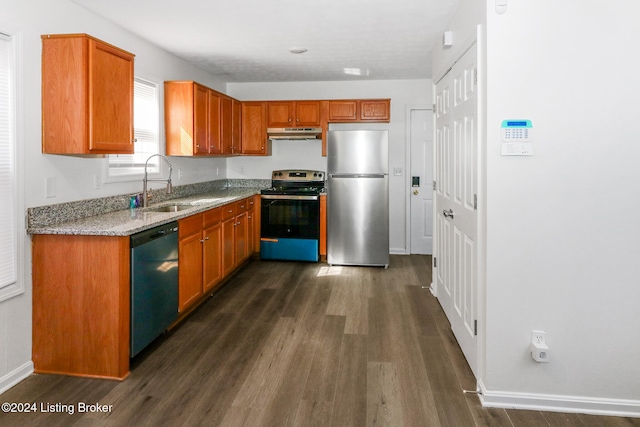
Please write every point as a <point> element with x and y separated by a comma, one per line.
<point>538,337</point>
<point>179,174</point>
<point>97,182</point>
<point>539,348</point>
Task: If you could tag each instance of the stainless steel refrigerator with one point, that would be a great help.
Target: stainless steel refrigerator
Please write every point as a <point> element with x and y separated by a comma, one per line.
<point>358,197</point>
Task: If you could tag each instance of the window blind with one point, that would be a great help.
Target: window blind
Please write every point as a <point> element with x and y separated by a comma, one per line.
<point>8,218</point>
<point>145,132</point>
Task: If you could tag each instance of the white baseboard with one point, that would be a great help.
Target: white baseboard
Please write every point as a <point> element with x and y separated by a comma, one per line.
<point>554,403</point>
<point>15,376</point>
<point>398,251</point>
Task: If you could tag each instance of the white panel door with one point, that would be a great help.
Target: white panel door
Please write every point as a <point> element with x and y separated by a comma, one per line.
<point>456,152</point>
<point>421,194</point>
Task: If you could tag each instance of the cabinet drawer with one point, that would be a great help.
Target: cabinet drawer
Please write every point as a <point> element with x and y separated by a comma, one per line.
<point>189,225</point>
<point>251,201</point>
<point>228,211</point>
<point>242,206</point>
<point>212,216</point>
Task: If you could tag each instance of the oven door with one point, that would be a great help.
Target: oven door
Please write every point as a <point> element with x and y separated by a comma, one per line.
<point>289,227</point>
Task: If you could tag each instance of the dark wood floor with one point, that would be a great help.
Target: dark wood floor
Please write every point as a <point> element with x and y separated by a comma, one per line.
<point>295,344</point>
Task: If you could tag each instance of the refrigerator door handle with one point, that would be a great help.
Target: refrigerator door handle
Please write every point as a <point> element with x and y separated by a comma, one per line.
<point>357,175</point>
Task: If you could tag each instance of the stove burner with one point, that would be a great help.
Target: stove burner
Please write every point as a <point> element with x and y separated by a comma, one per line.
<point>296,182</point>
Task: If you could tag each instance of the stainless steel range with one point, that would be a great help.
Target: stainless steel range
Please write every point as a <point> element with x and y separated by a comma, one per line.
<point>290,216</point>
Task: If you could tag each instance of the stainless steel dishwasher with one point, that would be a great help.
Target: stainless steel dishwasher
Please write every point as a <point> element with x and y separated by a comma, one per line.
<point>154,284</point>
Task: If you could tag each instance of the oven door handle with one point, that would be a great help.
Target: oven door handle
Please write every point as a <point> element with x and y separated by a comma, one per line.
<point>287,197</point>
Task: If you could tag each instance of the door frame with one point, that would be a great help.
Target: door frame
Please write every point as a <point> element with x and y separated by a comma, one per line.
<point>407,178</point>
<point>481,227</point>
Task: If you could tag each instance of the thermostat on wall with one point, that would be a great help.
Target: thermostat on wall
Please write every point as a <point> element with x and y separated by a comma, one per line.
<point>516,138</point>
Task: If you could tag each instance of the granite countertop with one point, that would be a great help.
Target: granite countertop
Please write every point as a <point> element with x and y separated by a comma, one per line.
<point>130,221</point>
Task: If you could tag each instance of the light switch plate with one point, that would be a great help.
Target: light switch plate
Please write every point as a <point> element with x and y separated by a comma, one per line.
<point>50,185</point>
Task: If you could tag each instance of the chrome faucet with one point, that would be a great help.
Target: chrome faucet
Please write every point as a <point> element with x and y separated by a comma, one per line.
<point>146,180</point>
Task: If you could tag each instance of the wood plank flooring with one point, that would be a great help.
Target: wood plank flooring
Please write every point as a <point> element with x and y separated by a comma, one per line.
<point>295,344</point>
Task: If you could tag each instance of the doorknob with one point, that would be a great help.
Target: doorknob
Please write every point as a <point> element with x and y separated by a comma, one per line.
<point>415,192</point>
<point>448,213</point>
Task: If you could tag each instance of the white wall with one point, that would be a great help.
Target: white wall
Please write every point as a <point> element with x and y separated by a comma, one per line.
<point>287,155</point>
<point>74,176</point>
<point>562,245</point>
<point>562,240</point>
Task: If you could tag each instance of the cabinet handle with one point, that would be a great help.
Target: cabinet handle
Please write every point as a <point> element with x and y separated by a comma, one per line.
<point>201,241</point>
<point>206,238</point>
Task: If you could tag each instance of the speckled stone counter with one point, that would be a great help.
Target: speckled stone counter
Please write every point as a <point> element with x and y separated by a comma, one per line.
<point>111,217</point>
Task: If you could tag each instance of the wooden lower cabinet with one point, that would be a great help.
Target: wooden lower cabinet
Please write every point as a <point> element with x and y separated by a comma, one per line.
<point>81,305</point>
<point>212,253</point>
<point>228,239</point>
<point>238,233</point>
<point>82,288</point>
<point>199,256</point>
<point>323,228</point>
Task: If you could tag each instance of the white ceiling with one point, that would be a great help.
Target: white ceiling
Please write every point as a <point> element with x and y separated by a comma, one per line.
<point>249,40</point>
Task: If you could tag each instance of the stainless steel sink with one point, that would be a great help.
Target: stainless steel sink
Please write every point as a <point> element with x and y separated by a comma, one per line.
<point>169,208</point>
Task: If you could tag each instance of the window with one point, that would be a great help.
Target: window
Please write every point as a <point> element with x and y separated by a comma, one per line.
<point>145,132</point>
<point>9,285</point>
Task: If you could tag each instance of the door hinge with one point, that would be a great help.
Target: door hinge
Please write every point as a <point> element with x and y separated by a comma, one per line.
<point>475,202</point>
<point>475,76</point>
<point>435,262</point>
<point>434,185</point>
<point>475,328</point>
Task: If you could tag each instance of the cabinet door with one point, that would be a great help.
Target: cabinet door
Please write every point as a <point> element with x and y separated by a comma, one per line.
<point>110,98</point>
<point>214,107</point>
<point>87,96</point>
<point>228,246</point>
<point>189,270</point>
<point>254,128</point>
<point>236,127</point>
<point>200,119</point>
<point>343,111</point>
<point>375,110</point>
<point>251,226</point>
<point>212,257</point>
<point>241,238</point>
<point>227,124</point>
<point>323,227</point>
<point>280,114</point>
<point>307,113</point>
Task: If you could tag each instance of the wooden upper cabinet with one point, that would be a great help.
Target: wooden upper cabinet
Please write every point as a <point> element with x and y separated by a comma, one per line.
<point>280,114</point>
<point>236,127</point>
<point>254,128</point>
<point>201,119</point>
<point>87,96</point>
<point>226,124</point>
<point>341,111</point>
<point>375,110</point>
<point>197,119</point>
<point>293,113</point>
<point>359,110</point>
<point>215,122</point>
<point>307,113</point>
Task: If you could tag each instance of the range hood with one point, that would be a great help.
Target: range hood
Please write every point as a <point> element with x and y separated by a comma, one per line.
<point>295,133</point>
